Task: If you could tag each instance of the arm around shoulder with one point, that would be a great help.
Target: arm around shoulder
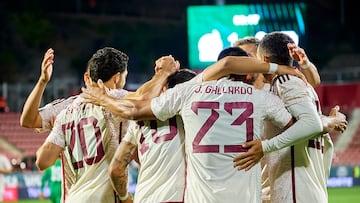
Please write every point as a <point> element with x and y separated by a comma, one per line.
<point>307,125</point>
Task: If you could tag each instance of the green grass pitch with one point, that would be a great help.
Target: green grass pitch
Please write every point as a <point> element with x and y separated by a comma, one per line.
<point>344,195</point>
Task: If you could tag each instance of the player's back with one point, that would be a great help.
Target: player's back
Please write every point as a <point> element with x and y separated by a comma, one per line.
<point>51,110</point>
<point>299,169</point>
<point>91,137</point>
<point>219,116</point>
<point>162,159</point>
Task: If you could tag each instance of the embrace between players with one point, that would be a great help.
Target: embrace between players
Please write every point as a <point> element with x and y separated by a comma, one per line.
<point>192,146</point>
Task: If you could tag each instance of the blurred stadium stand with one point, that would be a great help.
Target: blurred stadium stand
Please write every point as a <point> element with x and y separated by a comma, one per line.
<point>16,142</point>
<point>347,96</point>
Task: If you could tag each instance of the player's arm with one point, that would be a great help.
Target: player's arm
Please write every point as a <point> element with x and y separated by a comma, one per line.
<point>164,67</point>
<point>47,155</point>
<point>50,150</point>
<point>308,124</point>
<point>151,88</point>
<point>135,106</point>
<point>118,169</point>
<point>30,116</point>
<point>129,109</point>
<point>242,65</point>
<point>335,121</point>
<point>307,68</point>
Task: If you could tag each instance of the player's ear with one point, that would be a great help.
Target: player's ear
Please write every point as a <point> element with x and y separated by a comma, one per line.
<point>116,77</point>
<point>87,79</point>
<point>266,59</point>
<point>157,69</point>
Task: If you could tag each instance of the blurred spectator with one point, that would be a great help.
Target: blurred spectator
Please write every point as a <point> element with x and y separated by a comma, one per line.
<point>5,168</point>
<point>3,105</point>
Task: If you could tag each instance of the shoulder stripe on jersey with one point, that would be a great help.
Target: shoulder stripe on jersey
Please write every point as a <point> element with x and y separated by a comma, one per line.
<point>282,78</point>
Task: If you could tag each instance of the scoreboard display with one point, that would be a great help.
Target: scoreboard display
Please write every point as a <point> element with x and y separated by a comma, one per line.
<point>212,28</point>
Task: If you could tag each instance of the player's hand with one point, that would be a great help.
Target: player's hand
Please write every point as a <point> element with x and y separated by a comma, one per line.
<point>94,94</point>
<point>339,122</point>
<point>47,65</point>
<point>248,159</point>
<point>167,64</point>
<point>298,54</point>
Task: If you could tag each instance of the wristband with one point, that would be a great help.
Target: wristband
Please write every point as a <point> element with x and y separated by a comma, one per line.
<point>273,67</point>
<point>124,197</point>
<point>306,65</point>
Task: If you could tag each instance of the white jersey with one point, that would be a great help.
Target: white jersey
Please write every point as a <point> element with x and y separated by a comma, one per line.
<point>89,135</point>
<point>52,109</point>
<point>160,146</point>
<point>298,173</point>
<point>219,116</point>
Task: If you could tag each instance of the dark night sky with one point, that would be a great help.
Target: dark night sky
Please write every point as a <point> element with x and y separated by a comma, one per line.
<point>332,27</point>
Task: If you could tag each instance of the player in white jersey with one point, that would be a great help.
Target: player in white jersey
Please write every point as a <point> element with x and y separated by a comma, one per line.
<point>297,173</point>
<point>296,53</point>
<point>42,118</point>
<point>218,117</point>
<point>205,108</point>
<point>161,155</point>
<point>86,137</point>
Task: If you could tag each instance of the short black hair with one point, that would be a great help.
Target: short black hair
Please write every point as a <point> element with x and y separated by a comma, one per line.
<point>106,62</point>
<point>274,46</point>
<point>180,76</point>
<point>232,51</point>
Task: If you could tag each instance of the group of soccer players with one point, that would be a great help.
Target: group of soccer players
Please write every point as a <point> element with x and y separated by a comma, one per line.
<point>192,145</point>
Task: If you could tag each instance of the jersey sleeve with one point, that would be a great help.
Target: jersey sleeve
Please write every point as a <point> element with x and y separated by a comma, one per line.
<point>51,110</point>
<point>291,89</point>
<point>168,104</point>
<point>56,135</point>
<point>308,124</point>
<point>276,111</point>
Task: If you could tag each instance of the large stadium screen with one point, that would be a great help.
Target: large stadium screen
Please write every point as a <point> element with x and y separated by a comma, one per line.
<point>214,27</point>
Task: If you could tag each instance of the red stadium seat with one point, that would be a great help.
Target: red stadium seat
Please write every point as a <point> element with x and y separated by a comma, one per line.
<point>26,140</point>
